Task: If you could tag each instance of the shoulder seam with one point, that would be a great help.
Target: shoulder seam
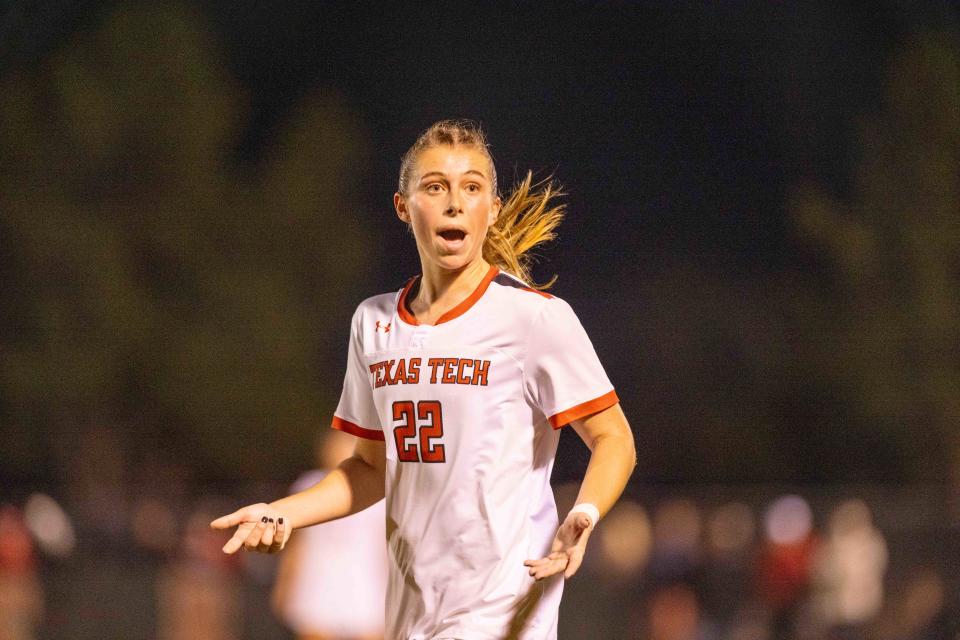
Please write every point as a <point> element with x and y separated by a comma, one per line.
<point>517,283</point>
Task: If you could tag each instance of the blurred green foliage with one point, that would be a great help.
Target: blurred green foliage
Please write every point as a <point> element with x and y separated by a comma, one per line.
<point>151,283</point>
<point>890,327</point>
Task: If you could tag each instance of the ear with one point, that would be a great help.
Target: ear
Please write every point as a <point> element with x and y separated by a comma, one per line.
<point>494,212</point>
<point>400,205</point>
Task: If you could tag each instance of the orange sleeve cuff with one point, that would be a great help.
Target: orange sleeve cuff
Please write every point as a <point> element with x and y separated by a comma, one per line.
<point>356,430</point>
<point>584,409</point>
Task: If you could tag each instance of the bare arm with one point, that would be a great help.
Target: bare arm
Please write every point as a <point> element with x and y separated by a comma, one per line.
<point>612,459</point>
<point>354,485</point>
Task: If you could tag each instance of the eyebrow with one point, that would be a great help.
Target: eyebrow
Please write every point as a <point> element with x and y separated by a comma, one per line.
<point>443,175</point>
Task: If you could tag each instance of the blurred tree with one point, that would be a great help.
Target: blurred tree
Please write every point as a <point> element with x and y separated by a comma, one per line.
<point>149,282</point>
<point>891,337</point>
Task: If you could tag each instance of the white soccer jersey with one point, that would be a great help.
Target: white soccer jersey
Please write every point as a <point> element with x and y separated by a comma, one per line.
<point>469,410</point>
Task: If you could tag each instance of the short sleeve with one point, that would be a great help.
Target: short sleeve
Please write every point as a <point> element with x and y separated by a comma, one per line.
<point>562,373</point>
<point>356,414</point>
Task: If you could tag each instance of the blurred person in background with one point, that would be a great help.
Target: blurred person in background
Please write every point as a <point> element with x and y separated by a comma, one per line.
<point>21,594</point>
<point>674,613</point>
<point>98,487</point>
<point>456,387</point>
<point>921,609</point>
<point>198,596</point>
<point>729,565</point>
<point>849,569</point>
<point>332,578</point>
<point>750,621</point>
<point>677,553</point>
<point>163,485</point>
<point>786,558</point>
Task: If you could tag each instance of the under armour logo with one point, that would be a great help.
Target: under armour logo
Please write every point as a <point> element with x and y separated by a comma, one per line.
<point>385,327</point>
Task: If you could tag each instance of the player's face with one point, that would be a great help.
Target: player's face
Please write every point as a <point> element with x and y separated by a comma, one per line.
<point>450,205</point>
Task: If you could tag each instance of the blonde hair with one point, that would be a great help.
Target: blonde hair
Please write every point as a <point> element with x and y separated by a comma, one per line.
<point>527,218</point>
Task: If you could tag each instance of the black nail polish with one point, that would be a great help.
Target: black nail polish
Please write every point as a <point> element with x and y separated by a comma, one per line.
<point>270,520</point>
<point>280,521</point>
<point>264,520</point>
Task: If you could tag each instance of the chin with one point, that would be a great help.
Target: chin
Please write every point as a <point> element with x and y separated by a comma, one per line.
<point>453,262</point>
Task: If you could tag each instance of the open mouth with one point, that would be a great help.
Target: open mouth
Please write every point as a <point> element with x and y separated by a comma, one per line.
<point>452,235</point>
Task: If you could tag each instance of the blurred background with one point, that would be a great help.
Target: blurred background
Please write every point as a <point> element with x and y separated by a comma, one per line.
<point>763,242</point>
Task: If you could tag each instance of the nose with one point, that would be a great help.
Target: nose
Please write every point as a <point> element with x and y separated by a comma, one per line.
<point>453,204</point>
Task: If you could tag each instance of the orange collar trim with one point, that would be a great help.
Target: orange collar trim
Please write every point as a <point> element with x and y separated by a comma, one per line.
<point>404,312</point>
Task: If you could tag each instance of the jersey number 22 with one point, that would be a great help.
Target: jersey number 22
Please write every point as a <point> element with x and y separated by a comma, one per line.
<point>423,424</point>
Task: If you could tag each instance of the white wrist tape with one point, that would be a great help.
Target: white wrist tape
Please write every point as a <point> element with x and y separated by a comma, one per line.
<point>589,509</point>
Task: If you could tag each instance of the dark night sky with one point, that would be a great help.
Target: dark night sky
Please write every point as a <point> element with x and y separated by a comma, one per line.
<point>675,129</point>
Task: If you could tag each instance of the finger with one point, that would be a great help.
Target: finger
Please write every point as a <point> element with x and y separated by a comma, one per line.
<point>549,565</point>
<point>583,521</point>
<point>269,533</point>
<point>578,551</point>
<point>239,536</point>
<point>231,520</point>
<point>548,558</point>
<point>573,530</point>
<point>551,568</point>
<point>255,534</point>
<point>280,539</point>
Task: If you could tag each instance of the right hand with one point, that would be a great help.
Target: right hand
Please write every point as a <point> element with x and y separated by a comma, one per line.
<point>260,527</point>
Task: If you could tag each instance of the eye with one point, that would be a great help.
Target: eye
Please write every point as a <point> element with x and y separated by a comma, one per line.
<point>473,187</point>
<point>434,187</point>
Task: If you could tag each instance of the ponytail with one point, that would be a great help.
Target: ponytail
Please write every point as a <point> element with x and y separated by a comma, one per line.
<point>527,219</point>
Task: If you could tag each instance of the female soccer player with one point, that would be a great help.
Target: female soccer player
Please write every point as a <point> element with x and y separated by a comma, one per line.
<point>456,387</point>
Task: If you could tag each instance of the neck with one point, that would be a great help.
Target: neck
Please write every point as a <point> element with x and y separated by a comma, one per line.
<point>442,289</point>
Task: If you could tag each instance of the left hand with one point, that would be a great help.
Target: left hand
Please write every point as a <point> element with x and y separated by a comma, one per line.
<point>567,550</point>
